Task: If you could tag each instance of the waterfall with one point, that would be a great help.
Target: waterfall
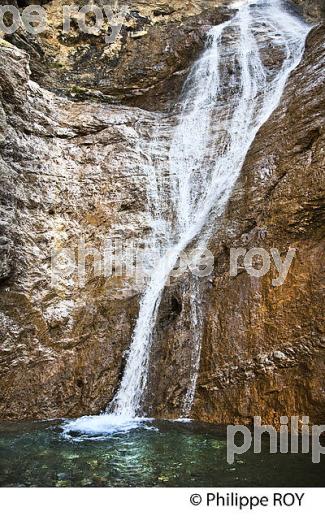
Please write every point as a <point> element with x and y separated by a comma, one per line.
<point>230,93</point>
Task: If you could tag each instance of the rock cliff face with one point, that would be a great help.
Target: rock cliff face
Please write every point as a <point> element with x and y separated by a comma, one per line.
<point>74,165</point>
<point>146,64</point>
<point>313,10</point>
<point>62,180</point>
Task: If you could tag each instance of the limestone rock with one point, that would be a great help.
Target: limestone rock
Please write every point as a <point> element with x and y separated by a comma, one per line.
<point>75,166</point>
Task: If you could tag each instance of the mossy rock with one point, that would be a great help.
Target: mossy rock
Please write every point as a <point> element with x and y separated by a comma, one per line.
<point>4,43</point>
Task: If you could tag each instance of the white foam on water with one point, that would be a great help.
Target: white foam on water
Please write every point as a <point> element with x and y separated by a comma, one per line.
<point>105,424</point>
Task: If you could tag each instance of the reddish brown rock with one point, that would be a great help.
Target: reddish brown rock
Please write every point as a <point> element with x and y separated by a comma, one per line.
<point>263,350</point>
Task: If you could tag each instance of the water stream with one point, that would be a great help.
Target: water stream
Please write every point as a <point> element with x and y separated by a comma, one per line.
<point>229,94</point>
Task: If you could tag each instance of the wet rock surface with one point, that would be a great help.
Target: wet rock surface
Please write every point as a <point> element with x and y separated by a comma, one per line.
<point>313,10</point>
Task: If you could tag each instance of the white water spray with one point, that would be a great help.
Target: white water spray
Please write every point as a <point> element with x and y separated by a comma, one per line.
<point>231,91</point>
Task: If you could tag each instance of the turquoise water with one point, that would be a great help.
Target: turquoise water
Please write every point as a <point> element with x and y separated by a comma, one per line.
<point>153,454</point>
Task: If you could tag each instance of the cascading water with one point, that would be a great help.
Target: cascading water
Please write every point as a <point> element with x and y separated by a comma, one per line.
<point>231,91</point>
